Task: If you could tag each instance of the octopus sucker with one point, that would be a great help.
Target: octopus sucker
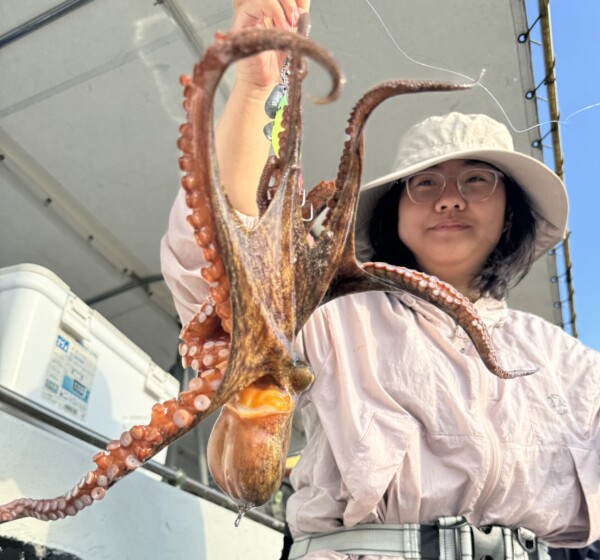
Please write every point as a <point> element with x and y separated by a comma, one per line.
<point>113,445</point>
<point>182,418</point>
<point>209,252</point>
<point>193,198</point>
<point>201,403</point>
<point>137,432</point>
<point>186,129</point>
<point>132,462</point>
<point>98,494</point>
<point>185,163</point>
<point>195,384</point>
<point>112,472</point>
<point>264,283</point>
<point>185,144</point>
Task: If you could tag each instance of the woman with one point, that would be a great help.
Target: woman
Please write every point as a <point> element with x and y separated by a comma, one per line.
<point>412,444</point>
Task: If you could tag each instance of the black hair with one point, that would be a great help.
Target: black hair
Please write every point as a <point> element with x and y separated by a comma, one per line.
<point>506,266</point>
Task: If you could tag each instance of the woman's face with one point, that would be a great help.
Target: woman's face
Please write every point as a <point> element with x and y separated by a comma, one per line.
<point>452,238</point>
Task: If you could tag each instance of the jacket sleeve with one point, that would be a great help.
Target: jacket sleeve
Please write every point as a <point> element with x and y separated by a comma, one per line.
<point>181,260</point>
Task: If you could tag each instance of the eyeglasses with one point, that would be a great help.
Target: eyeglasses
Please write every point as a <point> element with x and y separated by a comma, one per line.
<point>474,184</point>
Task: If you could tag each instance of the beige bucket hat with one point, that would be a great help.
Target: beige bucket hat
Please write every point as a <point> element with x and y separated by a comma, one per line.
<point>460,136</point>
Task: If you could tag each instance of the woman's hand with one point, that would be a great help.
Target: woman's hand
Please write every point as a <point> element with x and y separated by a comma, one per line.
<point>242,148</point>
<point>262,70</point>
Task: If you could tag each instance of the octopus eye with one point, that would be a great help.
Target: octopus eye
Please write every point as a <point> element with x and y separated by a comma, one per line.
<point>301,377</point>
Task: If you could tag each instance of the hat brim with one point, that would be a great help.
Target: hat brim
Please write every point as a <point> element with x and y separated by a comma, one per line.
<point>544,189</point>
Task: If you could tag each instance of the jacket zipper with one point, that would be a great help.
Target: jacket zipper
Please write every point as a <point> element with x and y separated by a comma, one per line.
<point>495,449</point>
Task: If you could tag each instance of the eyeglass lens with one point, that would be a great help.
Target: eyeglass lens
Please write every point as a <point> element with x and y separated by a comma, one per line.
<point>474,185</point>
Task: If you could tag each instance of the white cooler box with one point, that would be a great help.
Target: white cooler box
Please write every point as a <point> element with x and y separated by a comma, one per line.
<point>60,353</point>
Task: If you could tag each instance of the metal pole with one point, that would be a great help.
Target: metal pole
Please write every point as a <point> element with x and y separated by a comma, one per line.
<point>40,21</point>
<point>549,62</point>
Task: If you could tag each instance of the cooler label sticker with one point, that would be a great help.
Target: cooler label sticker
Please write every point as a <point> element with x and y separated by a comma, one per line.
<point>69,376</point>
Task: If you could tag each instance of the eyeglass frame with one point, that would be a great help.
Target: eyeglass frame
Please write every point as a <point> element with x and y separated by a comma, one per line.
<point>496,172</point>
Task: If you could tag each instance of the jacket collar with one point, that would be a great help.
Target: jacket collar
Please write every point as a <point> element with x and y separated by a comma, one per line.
<point>492,311</point>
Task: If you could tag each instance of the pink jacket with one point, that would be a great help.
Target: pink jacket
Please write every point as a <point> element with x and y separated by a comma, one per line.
<point>404,423</point>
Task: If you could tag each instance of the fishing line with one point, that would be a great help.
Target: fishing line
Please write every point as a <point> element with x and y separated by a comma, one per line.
<point>476,82</point>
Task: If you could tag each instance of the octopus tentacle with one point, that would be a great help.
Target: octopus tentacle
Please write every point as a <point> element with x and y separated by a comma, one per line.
<point>350,166</point>
<point>269,180</point>
<point>316,201</point>
<point>273,176</point>
<point>335,244</point>
<point>210,208</point>
<point>449,300</point>
<point>350,277</point>
<point>169,421</point>
<point>196,140</point>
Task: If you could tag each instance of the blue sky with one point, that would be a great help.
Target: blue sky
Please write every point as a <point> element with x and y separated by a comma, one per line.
<point>576,42</point>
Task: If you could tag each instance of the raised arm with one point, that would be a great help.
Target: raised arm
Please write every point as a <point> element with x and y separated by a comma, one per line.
<point>242,148</point>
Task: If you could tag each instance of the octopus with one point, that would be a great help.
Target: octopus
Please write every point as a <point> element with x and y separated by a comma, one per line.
<point>264,283</point>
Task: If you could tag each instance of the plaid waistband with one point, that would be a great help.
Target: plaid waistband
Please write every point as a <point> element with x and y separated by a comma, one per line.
<point>451,539</point>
